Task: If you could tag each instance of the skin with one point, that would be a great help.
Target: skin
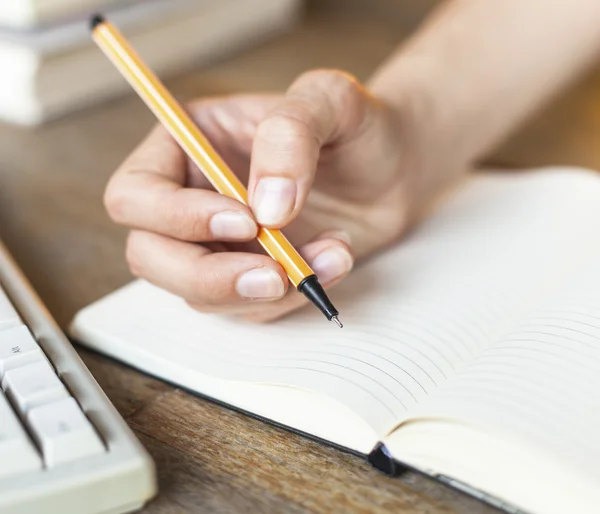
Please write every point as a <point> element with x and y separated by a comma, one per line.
<point>345,169</point>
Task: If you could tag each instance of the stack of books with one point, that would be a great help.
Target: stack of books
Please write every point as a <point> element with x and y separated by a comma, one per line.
<point>50,66</point>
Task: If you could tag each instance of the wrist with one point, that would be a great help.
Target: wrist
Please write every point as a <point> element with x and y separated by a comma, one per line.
<point>431,158</point>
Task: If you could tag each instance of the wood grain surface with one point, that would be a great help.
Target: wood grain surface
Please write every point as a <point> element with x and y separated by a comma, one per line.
<point>211,459</point>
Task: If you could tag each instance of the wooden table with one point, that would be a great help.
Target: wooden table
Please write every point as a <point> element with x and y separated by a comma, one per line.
<point>211,459</point>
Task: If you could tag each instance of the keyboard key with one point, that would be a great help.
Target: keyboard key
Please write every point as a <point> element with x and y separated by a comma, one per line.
<point>17,453</point>
<point>63,432</point>
<point>33,385</point>
<point>8,315</point>
<point>17,348</point>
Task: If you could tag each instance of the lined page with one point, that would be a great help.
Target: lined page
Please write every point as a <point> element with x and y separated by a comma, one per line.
<point>414,316</point>
<point>539,383</point>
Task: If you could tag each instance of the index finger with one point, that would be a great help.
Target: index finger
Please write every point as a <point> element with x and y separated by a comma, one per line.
<point>149,192</point>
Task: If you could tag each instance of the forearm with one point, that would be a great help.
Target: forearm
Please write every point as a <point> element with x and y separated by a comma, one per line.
<point>476,69</point>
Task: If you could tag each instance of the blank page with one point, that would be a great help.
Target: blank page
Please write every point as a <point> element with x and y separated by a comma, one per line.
<point>521,421</point>
<point>539,382</point>
<point>414,316</point>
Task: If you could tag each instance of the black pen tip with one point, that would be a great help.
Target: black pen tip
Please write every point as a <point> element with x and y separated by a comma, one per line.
<point>96,20</point>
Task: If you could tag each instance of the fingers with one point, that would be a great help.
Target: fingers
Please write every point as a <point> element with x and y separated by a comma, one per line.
<point>331,260</point>
<point>201,277</point>
<point>243,284</point>
<point>329,256</point>
<point>148,193</point>
<point>319,108</point>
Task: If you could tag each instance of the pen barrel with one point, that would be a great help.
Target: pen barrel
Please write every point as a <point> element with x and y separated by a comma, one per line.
<point>191,139</point>
<point>168,111</point>
<point>280,249</point>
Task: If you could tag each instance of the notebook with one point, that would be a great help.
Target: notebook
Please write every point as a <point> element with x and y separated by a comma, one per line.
<point>470,351</point>
<point>56,69</point>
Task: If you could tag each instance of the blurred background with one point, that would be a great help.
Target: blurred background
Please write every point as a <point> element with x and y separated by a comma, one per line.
<point>51,69</point>
<point>68,119</point>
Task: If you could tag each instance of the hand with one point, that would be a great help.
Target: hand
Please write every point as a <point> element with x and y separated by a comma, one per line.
<point>325,161</point>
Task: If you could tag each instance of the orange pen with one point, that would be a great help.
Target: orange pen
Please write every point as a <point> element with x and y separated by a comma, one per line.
<point>191,139</point>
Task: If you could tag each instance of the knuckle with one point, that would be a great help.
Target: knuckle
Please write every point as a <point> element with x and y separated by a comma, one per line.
<point>287,120</point>
<point>186,222</point>
<point>115,201</point>
<point>341,97</point>
<point>347,92</point>
<point>334,82</point>
<point>133,256</point>
<point>345,81</point>
<point>285,125</point>
<point>201,281</point>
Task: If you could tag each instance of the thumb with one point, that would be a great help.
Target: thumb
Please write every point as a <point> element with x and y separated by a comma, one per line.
<point>321,107</point>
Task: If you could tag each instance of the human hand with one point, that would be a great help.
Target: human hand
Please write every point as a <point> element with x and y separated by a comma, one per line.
<point>327,161</point>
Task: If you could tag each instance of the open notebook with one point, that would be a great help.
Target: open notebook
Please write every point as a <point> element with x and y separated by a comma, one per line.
<point>471,350</point>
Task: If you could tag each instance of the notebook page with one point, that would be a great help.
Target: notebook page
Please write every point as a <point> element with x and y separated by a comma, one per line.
<point>414,316</point>
<point>537,386</point>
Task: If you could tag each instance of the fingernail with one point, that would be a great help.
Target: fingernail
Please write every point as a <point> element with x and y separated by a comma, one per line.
<point>331,264</point>
<point>260,283</point>
<point>232,225</point>
<point>274,200</point>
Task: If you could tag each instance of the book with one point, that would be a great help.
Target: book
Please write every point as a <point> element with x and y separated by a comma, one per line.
<point>57,69</point>
<point>26,14</point>
<point>470,350</point>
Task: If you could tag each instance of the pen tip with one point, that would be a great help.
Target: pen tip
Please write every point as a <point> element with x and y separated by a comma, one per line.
<point>337,321</point>
<point>96,20</point>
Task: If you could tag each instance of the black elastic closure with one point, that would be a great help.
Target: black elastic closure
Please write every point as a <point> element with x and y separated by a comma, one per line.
<point>381,459</point>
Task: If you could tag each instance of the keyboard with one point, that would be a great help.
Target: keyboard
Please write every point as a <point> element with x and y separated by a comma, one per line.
<point>64,448</point>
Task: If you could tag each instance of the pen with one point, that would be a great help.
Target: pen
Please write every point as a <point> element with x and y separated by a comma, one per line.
<point>201,152</point>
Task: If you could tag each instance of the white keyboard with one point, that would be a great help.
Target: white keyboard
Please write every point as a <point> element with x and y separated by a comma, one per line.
<point>64,449</point>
